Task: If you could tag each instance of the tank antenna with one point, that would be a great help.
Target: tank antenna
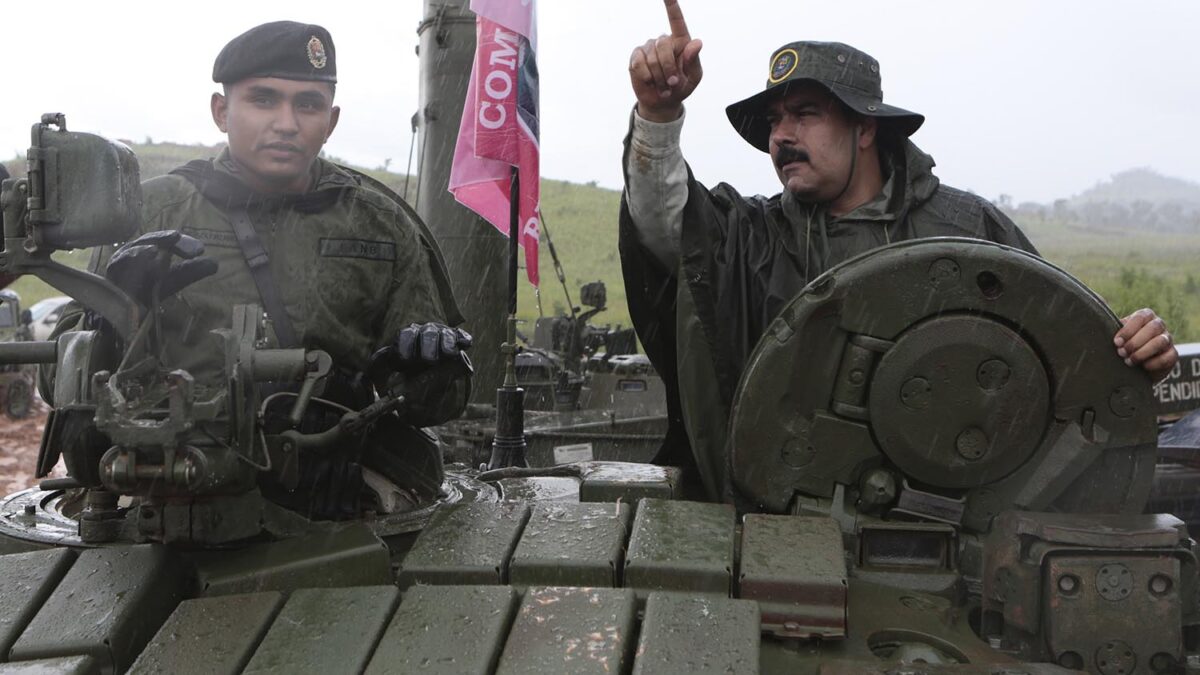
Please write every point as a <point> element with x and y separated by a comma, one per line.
<point>508,445</point>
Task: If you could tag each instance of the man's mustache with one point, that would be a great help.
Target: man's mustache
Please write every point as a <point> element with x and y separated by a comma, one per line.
<point>787,154</point>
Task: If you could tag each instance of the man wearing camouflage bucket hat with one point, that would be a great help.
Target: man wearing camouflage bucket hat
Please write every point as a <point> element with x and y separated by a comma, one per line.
<point>707,270</point>
<point>337,261</point>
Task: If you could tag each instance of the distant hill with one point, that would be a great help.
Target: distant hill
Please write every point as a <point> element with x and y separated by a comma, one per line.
<point>1131,202</point>
<point>1142,185</point>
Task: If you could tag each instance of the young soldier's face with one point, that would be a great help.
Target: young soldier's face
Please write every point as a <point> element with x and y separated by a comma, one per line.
<point>811,142</point>
<point>276,129</point>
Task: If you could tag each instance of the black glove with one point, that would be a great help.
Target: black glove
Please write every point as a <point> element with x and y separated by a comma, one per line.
<point>137,267</point>
<point>422,345</point>
<point>416,349</point>
<point>429,366</point>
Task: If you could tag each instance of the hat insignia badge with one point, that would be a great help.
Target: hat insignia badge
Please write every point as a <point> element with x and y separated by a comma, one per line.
<point>316,52</point>
<point>782,65</point>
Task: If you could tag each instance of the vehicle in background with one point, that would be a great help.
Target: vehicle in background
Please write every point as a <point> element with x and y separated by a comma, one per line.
<point>1177,403</point>
<point>16,380</point>
<point>44,315</point>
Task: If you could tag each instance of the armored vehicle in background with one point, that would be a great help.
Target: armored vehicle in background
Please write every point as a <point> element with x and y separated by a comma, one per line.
<point>16,380</point>
<point>1177,478</point>
<point>588,395</point>
<point>937,465</point>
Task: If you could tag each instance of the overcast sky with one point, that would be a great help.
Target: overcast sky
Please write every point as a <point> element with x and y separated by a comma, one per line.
<point>1035,99</point>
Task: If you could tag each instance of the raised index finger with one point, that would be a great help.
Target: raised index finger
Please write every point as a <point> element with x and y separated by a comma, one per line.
<point>679,27</point>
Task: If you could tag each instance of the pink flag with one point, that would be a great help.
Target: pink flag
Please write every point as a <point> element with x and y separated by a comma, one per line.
<point>499,127</point>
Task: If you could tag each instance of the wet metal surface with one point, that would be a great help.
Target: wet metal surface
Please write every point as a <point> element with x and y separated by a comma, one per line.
<point>1047,417</point>
<point>343,555</point>
<point>26,580</point>
<point>108,606</point>
<point>628,482</point>
<point>446,630</point>
<point>465,544</point>
<point>67,665</point>
<point>571,544</point>
<point>571,631</point>
<point>794,567</point>
<point>881,614</point>
<point>34,518</point>
<point>326,630</point>
<point>698,636</point>
<point>685,546</point>
<point>541,488</point>
<point>1177,491</point>
<point>1063,587</point>
<point>1094,614</point>
<point>210,636</point>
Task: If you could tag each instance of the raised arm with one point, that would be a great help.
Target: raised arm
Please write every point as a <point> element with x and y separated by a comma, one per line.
<point>663,73</point>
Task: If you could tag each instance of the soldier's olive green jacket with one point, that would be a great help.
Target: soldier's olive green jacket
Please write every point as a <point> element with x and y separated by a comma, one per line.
<point>741,260</point>
<point>352,265</point>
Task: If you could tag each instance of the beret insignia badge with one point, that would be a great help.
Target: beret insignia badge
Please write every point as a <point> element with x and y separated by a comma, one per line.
<point>782,65</point>
<point>316,52</point>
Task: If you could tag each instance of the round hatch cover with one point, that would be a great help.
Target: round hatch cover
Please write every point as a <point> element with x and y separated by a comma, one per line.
<point>982,371</point>
<point>974,371</point>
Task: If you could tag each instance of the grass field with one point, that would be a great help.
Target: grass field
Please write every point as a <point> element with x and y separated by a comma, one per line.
<point>1129,269</point>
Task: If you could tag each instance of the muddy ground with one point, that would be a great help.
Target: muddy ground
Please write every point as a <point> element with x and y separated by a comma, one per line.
<point>19,441</point>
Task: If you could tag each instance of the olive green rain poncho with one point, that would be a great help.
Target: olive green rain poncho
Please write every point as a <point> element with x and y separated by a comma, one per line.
<point>743,258</point>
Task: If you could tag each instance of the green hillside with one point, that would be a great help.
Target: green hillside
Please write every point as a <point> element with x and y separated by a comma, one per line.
<point>1131,261</point>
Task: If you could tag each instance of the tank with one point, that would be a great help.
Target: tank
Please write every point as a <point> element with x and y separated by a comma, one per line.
<point>937,466</point>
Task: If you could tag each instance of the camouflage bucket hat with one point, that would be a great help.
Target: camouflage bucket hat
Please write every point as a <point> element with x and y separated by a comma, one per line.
<point>849,74</point>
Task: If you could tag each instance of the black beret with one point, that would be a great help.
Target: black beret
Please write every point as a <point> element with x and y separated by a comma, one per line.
<point>285,49</point>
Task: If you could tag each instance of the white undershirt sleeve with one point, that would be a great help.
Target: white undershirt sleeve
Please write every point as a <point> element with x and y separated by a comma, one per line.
<point>657,188</point>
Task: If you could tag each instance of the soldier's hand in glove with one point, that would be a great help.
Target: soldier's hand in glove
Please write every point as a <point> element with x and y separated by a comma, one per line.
<point>140,266</point>
<point>429,366</point>
<point>418,348</point>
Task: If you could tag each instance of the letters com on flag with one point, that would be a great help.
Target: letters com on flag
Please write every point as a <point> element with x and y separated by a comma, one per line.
<point>499,127</point>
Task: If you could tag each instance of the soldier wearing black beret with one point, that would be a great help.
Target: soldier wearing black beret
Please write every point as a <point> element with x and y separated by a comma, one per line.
<point>268,68</point>
<point>338,262</point>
